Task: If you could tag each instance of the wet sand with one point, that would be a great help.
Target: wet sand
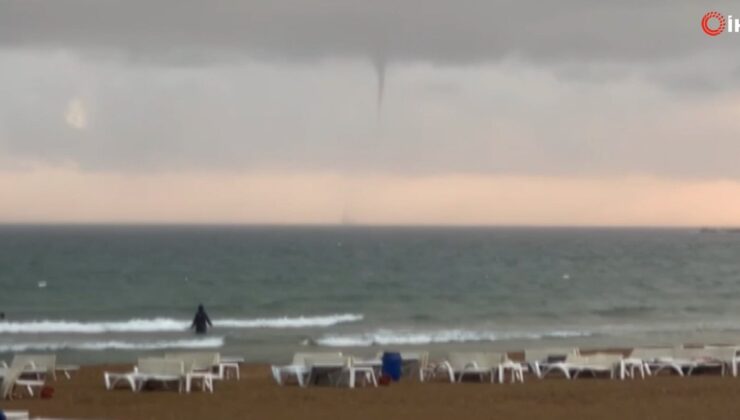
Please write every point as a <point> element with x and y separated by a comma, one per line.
<point>256,396</point>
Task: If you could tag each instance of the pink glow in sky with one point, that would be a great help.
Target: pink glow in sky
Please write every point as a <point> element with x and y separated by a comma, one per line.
<point>69,195</point>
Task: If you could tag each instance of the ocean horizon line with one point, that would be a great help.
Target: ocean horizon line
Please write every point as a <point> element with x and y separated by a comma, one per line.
<point>363,225</point>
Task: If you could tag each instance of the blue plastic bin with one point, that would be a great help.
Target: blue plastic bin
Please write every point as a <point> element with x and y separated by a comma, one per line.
<point>392,364</point>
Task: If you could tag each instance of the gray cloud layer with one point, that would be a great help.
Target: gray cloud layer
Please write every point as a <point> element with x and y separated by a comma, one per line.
<point>441,31</point>
<point>569,87</point>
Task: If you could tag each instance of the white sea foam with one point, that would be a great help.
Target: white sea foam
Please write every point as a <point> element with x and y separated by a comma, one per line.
<point>169,324</point>
<point>399,337</point>
<point>211,342</point>
<point>287,322</point>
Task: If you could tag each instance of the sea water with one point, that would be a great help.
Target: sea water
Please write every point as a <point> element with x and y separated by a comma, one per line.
<point>112,293</point>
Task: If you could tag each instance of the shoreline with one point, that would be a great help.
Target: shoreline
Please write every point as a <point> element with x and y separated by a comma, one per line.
<point>257,396</point>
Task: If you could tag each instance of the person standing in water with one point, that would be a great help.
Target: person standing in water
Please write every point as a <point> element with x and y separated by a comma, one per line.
<point>201,322</point>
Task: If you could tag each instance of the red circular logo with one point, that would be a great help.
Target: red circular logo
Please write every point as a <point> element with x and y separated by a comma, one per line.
<point>722,23</point>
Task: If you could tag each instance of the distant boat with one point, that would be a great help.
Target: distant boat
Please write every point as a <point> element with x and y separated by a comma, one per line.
<point>42,284</point>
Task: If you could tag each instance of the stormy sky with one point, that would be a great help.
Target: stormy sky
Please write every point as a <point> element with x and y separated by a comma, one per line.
<point>401,91</point>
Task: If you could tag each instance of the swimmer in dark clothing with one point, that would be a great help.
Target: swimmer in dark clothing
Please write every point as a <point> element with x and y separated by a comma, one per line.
<point>201,322</point>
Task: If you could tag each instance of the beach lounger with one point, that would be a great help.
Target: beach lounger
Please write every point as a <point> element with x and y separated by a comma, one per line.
<point>308,368</point>
<point>481,364</point>
<point>683,361</point>
<point>199,366</point>
<point>544,361</point>
<point>28,371</point>
<point>159,370</point>
<point>720,358</point>
<point>727,355</point>
<point>148,370</point>
<point>223,368</point>
<point>459,364</point>
<point>46,364</point>
<point>595,364</point>
<point>328,366</point>
<point>11,379</point>
<point>16,415</point>
<point>658,359</point>
<point>298,369</point>
<point>38,366</point>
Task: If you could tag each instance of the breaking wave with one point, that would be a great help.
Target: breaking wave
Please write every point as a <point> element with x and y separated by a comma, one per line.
<point>206,343</point>
<point>169,324</point>
<point>286,322</point>
<point>393,337</point>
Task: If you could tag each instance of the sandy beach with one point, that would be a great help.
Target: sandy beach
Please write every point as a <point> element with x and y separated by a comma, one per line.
<point>256,396</point>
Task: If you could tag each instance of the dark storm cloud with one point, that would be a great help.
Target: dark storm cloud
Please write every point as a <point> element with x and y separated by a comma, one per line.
<point>441,31</point>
